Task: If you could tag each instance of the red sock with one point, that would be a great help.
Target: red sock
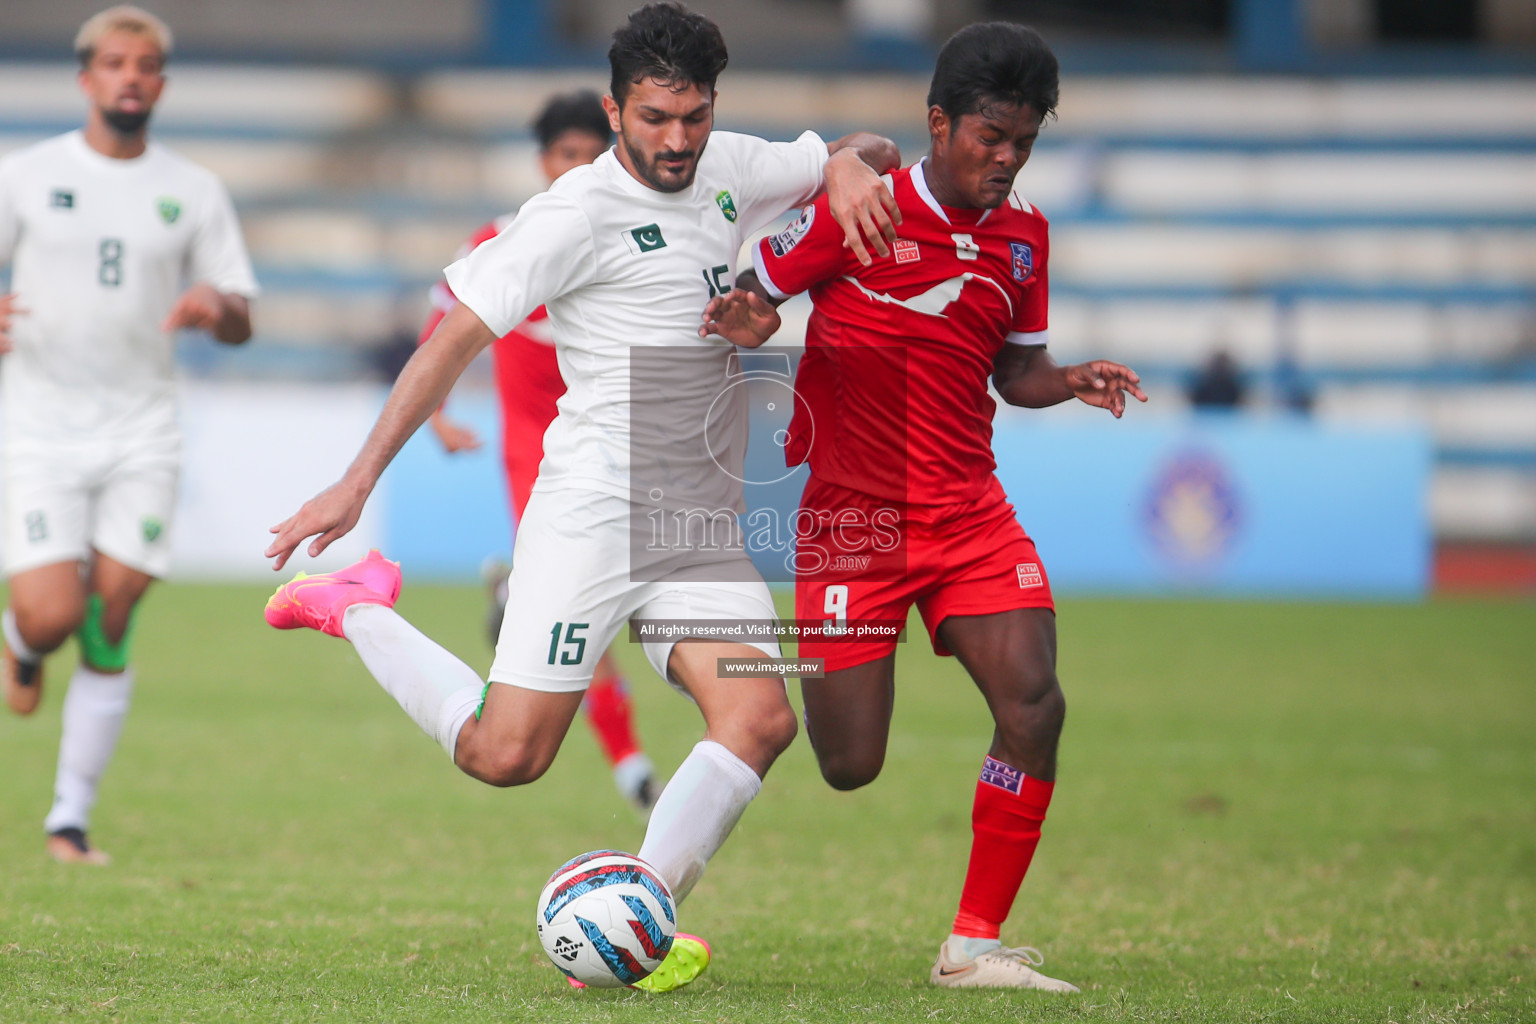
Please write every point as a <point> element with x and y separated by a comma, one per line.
<point>608,713</point>
<point>1005,825</point>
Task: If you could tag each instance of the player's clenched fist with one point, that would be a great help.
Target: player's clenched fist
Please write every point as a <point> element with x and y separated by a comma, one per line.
<point>1104,384</point>
<point>199,307</point>
<point>203,307</point>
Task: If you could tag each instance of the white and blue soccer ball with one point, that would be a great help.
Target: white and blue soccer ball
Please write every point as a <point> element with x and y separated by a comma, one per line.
<point>606,919</point>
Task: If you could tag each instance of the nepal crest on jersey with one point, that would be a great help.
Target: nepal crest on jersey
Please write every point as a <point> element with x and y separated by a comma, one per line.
<point>1023,261</point>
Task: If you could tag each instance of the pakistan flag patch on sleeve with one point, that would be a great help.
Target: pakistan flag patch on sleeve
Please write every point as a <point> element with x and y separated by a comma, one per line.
<point>152,528</point>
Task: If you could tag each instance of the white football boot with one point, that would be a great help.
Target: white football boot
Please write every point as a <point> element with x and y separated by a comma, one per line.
<point>1003,967</point>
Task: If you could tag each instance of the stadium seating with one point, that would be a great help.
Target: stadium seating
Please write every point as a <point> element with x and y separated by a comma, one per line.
<point>1372,242</point>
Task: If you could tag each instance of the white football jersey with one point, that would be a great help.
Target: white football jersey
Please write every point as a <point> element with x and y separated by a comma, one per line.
<point>625,272</point>
<point>100,249</point>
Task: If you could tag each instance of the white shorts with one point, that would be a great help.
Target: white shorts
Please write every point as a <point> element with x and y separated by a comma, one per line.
<point>571,591</point>
<point>116,497</point>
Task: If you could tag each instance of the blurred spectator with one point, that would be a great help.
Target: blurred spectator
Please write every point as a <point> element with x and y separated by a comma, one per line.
<point>1218,384</point>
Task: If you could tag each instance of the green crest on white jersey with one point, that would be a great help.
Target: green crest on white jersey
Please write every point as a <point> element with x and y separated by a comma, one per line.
<point>727,205</point>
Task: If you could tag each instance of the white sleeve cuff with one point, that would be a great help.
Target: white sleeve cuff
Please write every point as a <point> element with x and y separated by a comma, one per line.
<point>1024,337</point>
<point>774,291</point>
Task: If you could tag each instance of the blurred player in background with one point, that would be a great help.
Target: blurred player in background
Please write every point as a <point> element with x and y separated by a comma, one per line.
<point>895,376</point>
<point>572,131</point>
<point>626,252</point>
<point>115,243</point>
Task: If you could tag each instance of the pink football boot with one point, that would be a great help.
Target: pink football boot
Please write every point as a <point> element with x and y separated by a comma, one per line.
<point>319,601</point>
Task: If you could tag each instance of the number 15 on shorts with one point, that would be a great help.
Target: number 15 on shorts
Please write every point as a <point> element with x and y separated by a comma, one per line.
<point>573,647</point>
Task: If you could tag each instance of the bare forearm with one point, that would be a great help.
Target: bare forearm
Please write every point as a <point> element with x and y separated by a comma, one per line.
<point>419,391</point>
<point>1030,378</point>
<point>876,150</point>
<point>748,281</point>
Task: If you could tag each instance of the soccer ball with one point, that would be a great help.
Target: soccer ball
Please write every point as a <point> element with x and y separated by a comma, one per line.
<point>606,919</point>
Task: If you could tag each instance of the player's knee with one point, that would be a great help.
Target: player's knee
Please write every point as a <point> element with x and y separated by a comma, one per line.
<point>850,769</point>
<point>1036,716</point>
<point>775,729</point>
<point>507,764</point>
<point>45,626</point>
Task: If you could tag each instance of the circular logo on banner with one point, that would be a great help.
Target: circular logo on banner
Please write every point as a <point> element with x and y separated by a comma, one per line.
<point>1192,512</point>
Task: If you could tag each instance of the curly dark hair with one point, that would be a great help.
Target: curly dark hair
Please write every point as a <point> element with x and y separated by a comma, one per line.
<point>582,111</point>
<point>668,42</point>
<point>994,62</point>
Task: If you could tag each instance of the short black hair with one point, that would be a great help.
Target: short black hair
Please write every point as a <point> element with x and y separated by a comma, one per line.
<point>668,42</point>
<point>580,111</point>
<point>994,62</point>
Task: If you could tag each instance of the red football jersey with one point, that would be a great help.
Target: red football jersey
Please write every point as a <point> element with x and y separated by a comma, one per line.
<point>899,353</point>
<point>528,381</point>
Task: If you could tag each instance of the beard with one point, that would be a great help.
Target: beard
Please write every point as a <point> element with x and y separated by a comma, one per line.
<point>651,172</point>
<point>124,122</point>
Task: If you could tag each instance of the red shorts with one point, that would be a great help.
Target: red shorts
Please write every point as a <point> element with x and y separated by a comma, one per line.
<point>860,559</point>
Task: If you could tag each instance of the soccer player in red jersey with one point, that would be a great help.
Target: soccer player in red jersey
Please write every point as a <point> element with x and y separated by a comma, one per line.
<point>572,131</point>
<point>903,505</point>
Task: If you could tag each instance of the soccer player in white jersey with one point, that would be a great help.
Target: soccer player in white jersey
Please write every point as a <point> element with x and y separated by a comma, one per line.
<point>625,253</point>
<point>115,244</point>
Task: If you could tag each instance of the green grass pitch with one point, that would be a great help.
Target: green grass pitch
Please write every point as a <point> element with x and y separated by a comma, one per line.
<point>1289,812</point>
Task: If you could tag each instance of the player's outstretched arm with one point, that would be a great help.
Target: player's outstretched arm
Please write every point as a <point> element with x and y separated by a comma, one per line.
<point>421,388</point>
<point>9,309</point>
<point>224,315</point>
<point>745,315</point>
<point>1028,376</point>
<point>860,203</point>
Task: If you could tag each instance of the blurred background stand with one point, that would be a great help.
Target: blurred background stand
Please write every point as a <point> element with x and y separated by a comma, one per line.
<point>1341,194</point>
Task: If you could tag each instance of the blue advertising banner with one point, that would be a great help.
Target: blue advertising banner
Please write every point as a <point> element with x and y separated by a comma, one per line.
<point>1239,505</point>
<point>1223,504</point>
<point>446,514</point>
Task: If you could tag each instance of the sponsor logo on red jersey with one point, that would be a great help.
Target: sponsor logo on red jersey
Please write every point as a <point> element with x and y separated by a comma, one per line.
<point>1029,575</point>
<point>1023,261</point>
<point>906,251</point>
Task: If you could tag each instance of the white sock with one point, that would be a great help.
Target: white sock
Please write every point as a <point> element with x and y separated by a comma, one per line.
<point>960,948</point>
<point>436,689</point>
<point>94,708</point>
<point>14,641</point>
<point>701,804</point>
